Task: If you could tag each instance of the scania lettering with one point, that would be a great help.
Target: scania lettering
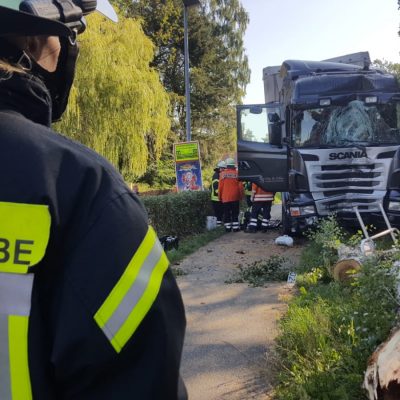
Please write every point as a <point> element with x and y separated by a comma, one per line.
<point>347,154</point>
<point>328,138</point>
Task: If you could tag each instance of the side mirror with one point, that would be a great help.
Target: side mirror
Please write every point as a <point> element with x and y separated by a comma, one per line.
<point>275,134</point>
<point>273,117</point>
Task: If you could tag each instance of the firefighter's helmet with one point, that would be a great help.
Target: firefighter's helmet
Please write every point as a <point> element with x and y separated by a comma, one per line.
<point>221,164</point>
<point>48,17</point>
<point>62,18</point>
<point>230,162</point>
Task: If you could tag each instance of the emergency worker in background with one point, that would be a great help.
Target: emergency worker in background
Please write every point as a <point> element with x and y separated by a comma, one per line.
<point>230,192</point>
<point>89,309</point>
<point>216,204</point>
<point>248,193</point>
<point>262,202</point>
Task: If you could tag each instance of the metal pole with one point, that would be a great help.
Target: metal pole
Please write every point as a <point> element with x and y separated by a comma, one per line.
<point>187,84</point>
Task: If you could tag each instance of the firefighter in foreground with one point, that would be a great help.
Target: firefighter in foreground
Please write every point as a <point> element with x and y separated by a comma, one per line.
<point>262,202</point>
<point>89,309</point>
<point>215,202</point>
<point>230,192</point>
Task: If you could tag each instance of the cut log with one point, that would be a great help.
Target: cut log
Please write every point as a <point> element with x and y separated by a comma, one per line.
<point>343,270</point>
<point>382,377</point>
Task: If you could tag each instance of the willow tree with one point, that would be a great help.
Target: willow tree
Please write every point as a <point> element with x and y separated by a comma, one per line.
<point>118,106</point>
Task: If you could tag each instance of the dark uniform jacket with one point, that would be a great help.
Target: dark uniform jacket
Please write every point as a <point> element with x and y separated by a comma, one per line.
<point>88,306</point>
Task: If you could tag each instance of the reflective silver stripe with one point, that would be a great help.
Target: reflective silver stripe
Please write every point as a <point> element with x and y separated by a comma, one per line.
<point>15,300</point>
<point>15,293</point>
<point>5,380</point>
<point>134,294</point>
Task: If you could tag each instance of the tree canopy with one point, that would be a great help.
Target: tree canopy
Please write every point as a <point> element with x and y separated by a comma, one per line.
<point>118,106</point>
<point>219,66</point>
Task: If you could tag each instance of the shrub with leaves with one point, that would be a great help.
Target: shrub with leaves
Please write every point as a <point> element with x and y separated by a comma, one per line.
<point>331,329</point>
<point>179,214</point>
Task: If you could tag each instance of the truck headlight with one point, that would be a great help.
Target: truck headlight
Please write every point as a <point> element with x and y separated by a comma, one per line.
<point>394,205</point>
<point>300,211</point>
<point>307,210</point>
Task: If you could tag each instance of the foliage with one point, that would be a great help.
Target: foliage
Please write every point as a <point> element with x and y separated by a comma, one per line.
<point>219,67</point>
<point>322,251</point>
<point>179,214</point>
<point>117,105</point>
<point>392,68</point>
<point>276,268</point>
<point>331,329</point>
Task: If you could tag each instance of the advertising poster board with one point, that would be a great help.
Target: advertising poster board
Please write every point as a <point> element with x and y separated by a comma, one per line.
<point>188,166</point>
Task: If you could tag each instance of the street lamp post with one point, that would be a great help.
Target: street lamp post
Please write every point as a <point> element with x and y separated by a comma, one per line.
<point>187,4</point>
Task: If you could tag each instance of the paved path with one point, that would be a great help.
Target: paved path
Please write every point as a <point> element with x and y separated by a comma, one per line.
<point>230,327</point>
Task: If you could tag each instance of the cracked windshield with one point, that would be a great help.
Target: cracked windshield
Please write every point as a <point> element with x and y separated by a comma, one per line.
<point>343,125</point>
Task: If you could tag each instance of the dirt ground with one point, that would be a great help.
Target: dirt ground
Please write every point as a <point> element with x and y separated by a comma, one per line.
<point>231,327</point>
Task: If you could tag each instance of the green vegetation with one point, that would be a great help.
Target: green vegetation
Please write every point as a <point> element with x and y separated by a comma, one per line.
<point>118,106</point>
<point>219,66</point>
<point>276,268</point>
<point>179,214</point>
<point>330,328</point>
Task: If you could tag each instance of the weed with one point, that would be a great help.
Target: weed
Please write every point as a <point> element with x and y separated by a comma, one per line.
<point>331,329</point>
<point>276,268</point>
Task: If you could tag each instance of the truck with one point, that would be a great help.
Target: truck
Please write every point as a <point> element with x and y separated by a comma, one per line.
<point>327,138</point>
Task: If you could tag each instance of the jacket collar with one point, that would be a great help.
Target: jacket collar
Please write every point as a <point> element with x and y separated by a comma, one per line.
<point>26,95</point>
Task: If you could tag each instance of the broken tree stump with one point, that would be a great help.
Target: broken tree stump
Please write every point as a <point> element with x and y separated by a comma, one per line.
<point>382,377</point>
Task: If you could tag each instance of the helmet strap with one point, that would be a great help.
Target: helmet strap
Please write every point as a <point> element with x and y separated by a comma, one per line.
<point>60,81</point>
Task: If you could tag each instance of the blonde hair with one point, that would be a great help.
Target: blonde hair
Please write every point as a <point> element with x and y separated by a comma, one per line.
<point>7,69</point>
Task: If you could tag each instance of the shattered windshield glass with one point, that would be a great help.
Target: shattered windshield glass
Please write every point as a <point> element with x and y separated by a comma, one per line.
<point>357,122</point>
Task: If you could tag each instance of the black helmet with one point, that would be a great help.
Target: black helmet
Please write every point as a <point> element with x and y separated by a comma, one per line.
<point>62,18</point>
<point>48,17</point>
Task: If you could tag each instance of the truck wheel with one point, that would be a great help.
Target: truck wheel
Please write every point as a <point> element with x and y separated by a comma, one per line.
<point>286,222</point>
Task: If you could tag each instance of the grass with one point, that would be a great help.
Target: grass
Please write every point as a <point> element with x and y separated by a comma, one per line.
<point>330,328</point>
<point>190,244</point>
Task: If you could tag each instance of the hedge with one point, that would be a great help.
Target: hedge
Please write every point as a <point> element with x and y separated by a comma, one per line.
<point>178,214</point>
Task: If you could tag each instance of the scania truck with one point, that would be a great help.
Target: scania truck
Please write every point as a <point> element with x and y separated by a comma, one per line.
<point>328,138</point>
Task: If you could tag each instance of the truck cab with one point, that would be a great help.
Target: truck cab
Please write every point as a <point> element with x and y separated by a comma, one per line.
<point>328,138</point>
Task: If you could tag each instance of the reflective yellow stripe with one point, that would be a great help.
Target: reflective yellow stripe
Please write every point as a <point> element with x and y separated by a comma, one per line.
<point>214,192</point>
<point>135,292</point>
<point>18,351</point>
<point>24,235</point>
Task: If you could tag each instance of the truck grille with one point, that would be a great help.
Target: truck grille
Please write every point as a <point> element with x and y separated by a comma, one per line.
<point>341,185</point>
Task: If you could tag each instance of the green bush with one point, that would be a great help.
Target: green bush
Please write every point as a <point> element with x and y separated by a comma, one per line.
<point>179,214</point>
<point>330,328</point>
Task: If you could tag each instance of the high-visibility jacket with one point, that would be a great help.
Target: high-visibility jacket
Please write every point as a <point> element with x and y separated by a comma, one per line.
<point>230,188</point>
<point>89,308</point>
<point>247,188</point>
<point>259,194</point>
<point>214,186</point>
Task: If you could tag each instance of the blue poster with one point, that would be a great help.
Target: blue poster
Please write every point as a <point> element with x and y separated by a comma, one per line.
<point>188,176</point>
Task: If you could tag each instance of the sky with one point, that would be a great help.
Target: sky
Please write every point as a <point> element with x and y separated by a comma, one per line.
<point>315,30</point>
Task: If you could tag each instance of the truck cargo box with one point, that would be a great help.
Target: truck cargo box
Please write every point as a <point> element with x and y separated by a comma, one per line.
<point>273,81</point>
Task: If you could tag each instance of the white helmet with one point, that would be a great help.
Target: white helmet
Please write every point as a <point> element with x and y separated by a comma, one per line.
<point>230,162</point>
<point>221,164</point>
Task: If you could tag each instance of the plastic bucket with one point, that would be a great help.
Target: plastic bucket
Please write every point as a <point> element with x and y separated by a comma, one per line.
<point>211,223</point>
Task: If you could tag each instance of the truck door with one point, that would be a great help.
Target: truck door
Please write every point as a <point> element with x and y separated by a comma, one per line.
<point>262,157</point>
